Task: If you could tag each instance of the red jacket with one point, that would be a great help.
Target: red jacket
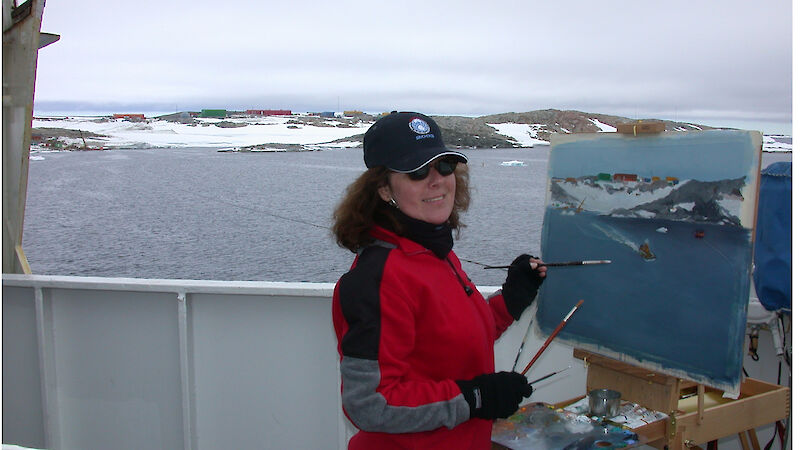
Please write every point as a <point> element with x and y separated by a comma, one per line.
<point>409,324</point>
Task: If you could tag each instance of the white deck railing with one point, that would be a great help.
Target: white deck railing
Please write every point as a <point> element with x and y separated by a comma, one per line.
<point>102,363</point>
<point>168,364</point>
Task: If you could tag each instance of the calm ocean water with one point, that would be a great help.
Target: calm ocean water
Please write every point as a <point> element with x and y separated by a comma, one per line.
<point>199,214</point>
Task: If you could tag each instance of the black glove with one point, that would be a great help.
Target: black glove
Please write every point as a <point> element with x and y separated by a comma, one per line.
<point>521,286</point>
<point>495,395</point>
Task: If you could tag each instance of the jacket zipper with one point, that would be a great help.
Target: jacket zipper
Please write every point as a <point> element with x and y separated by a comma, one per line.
<point>464,285</point>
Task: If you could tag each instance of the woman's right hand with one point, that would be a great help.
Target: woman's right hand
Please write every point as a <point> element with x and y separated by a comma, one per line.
<point>495,395</point>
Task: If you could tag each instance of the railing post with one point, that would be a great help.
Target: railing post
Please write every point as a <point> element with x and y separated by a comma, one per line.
<point>47,369</point>
<point>187,374</point>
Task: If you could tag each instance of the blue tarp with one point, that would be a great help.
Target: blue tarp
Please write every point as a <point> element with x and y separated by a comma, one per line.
<point>773,243</point>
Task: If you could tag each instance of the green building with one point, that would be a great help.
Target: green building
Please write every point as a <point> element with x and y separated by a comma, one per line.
<point>214,113</point>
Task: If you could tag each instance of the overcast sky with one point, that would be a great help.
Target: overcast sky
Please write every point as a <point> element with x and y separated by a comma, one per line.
<point>691,60</point>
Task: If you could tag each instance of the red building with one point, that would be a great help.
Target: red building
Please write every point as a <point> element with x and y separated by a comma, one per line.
<point>269,112</point>
<point>625,177</point>
<point>129,116</point>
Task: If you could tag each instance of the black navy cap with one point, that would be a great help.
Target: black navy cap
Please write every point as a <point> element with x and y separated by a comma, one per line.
<point>405,142</point>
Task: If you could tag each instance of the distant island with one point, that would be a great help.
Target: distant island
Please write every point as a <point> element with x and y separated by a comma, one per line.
<point>282,130</point>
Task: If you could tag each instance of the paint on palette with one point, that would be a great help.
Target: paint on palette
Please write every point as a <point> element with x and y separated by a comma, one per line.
<point>541,426</point>
<point>675,213</point>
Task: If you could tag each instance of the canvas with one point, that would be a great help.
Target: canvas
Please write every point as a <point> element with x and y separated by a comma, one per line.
<point>674,212</point>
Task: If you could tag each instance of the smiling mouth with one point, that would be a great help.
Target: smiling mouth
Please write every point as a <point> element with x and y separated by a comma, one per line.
<point>434,199</point>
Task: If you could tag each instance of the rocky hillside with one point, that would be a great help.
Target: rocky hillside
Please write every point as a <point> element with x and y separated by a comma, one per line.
<point>474,132</point>
<point>505,130</point>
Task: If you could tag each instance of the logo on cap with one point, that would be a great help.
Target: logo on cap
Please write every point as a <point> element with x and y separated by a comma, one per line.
<point>419,126</point>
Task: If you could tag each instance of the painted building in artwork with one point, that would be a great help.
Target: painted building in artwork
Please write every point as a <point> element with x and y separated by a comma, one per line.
<point>602,176</point>
<point>626,177</point>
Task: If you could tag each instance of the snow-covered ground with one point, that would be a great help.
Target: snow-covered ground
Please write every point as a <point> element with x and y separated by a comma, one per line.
<point>777,143</point>
<point>525,134</point>
<point>522,133</point>
<point>604,127</point>
<point>252,131</point>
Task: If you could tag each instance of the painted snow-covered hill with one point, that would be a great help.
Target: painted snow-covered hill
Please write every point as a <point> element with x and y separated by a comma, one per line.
<point>717,202</point>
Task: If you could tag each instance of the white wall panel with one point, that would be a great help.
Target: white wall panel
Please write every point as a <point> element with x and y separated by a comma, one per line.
<point>23,421</point>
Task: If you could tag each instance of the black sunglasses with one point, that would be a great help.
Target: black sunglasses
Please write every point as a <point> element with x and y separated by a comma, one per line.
<point>444,166</point>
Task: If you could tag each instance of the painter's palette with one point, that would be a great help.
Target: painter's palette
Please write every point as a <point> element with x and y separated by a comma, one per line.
<point>540,425</point>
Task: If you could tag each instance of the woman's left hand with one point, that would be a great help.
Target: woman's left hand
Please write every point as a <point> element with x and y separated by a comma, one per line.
<point>525,275</point>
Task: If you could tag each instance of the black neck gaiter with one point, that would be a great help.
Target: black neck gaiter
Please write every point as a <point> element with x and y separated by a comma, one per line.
<point>436,238</point>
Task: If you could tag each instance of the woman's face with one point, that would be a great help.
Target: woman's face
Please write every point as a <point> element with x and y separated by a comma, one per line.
<point>430,200</point>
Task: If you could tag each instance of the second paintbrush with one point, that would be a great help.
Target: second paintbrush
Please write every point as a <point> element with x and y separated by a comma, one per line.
<point>558,264</point>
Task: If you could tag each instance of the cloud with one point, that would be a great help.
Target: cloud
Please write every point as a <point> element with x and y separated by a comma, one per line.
<point>464,57</point>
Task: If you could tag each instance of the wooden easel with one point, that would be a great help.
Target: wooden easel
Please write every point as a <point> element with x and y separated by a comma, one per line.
<point>759,403</point>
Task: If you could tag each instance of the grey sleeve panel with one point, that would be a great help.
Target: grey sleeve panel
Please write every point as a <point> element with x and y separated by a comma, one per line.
<point>369,411</point>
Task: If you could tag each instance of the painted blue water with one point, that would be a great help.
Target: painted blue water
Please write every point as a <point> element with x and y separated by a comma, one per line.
<point>693,315</point>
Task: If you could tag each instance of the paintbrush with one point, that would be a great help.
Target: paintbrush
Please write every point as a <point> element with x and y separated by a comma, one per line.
<point>553,334</point>
<point>549,375</point>
<point>522,345</point>
<point>559,264</point>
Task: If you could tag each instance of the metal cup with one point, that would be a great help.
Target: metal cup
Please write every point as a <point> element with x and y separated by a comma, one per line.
<point>604,402</point>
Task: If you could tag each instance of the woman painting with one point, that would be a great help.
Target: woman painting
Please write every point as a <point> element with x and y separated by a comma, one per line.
<point>416,338</point>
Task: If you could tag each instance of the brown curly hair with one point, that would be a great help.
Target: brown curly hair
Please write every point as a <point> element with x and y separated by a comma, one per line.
<point>362,208</point>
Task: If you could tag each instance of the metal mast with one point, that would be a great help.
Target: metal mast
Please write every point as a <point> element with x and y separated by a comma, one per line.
<point>21,42</point>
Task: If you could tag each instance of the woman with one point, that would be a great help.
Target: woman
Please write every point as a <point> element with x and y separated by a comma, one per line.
<point>416,338</point>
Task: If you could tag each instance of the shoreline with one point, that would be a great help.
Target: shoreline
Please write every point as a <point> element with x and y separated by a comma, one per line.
<point>297,132</point>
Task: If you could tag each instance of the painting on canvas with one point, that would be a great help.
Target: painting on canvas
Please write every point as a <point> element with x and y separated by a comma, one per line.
<point>674,212</point>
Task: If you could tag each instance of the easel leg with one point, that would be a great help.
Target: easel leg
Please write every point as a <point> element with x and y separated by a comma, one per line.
<point>677,441</point>
<point>753,438</point>
<point>743,441</point>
